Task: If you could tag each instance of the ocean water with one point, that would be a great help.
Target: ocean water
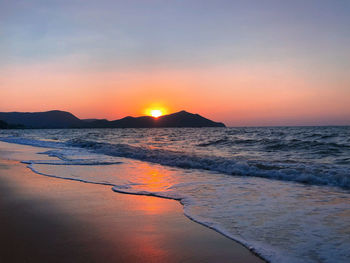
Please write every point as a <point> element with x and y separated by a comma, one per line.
<point>284,192</point>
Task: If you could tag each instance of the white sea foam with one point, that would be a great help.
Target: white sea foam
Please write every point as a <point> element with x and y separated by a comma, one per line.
<point>72,162</point>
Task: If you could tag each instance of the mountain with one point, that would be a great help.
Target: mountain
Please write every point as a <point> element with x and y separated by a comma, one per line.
<point>92,120</point>
<point>179,119</point>
<point>48,119</point>
<point>3,125</point>
<point>62,119</point>
<point>185,119</point>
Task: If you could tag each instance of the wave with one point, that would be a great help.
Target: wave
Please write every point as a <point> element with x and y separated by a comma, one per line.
<point>33,142</point>
<point>320,146</point>
<point>228,142</point>
<point>296,144</point>
<point>306,173</point>
<point>215,142</point>
<point>317,174</point>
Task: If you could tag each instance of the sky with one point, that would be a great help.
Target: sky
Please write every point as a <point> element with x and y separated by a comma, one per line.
<point>245,63</point>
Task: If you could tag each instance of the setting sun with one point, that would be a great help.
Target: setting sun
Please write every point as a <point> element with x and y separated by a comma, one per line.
<point>156,110</point>
<point>156,113</point>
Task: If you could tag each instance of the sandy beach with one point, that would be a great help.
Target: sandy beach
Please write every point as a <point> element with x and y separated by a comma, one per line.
<point>46,219</point>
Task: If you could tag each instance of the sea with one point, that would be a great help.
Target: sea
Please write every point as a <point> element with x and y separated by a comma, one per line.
<point>283,192</point>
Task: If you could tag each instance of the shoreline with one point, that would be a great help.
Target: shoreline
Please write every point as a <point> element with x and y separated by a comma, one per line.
<point>125,228</point>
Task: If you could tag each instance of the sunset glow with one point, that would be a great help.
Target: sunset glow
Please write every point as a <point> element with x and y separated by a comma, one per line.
<point>285,66</point>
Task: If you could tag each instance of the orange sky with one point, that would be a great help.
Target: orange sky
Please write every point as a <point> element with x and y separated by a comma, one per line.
<point>236,95</point>
<point>239,62</point>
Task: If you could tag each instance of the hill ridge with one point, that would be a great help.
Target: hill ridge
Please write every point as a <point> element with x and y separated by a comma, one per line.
<point>64,119</point>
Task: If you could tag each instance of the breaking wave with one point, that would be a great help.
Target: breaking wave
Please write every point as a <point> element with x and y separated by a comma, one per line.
<point>318,174</point>
<point>301,172</point>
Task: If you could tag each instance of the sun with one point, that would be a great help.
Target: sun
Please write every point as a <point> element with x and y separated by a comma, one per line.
<point>156,113</point>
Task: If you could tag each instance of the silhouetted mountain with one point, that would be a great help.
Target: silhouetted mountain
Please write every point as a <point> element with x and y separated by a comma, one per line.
<point>185,119</point>
<point>3,125</point>
<point>179,119</point>
<point>48,119</point>
<point>92,120</point>
<point>62,119</point>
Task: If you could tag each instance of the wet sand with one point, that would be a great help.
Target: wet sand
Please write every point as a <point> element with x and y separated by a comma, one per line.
<point>47,219</point>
